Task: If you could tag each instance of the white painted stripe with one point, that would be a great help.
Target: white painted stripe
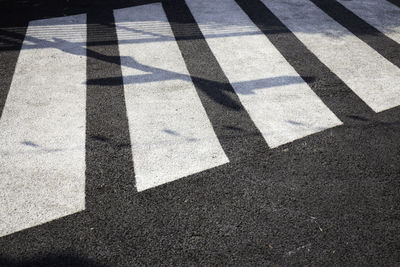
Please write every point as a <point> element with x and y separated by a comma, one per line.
<point>280,103</point>
<point>42,129</point>
<point>170,132</point>
<point>383,15</point>
<point>374,79</point>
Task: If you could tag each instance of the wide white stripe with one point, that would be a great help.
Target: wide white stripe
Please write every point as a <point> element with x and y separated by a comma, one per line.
<point>281,104</point>
<point>170,132</point>
<point>383,15</point>
<point>374,79</point>
<point>42,129</point>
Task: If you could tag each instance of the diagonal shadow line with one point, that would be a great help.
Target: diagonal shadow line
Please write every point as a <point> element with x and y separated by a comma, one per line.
<point>378,41</point>
<point>244,87</point>
<point>104,215</point>
<point>43,239</point>
<point>327,85</point>
<point>103,212</point>
<point>144,40</point>
<point>226,100</point>
<point>213,86</point>
<point>395,2</point>
<point>241,88</point>
<point>170,38</point>
<point>158,73</point>
<point>113,59</point>
<point>161,38</point>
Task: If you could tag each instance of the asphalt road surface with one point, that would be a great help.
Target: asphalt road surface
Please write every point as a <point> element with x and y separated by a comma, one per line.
<point>200,132</point>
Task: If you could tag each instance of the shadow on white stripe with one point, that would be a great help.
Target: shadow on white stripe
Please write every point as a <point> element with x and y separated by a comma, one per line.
<point>42,128</point>
<point>171,134</point>
<point>374,79</point>
<point>383,15</point>
<point>278,100</point>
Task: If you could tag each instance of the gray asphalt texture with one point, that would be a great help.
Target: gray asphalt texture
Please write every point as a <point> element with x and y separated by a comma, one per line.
<point>332,198</point>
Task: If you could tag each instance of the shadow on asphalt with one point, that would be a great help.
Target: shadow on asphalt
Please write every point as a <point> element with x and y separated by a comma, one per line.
<point>56,260</point>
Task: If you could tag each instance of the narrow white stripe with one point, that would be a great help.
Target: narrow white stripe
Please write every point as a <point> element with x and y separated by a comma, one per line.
<point>280,103</point>
<point>42,129</point>
<point>383,15</point>
<point>374,79</point>
<point>170,132</point>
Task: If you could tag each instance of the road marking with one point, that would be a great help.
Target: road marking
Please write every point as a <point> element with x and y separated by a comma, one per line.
<point>42,128</point>
<point>171,134</point>
<point>335,94</point>
<point>368,74</point>
<point>383,15</point>
<point>278,100</point>
<point>231,122</point>
<point>382,44</point>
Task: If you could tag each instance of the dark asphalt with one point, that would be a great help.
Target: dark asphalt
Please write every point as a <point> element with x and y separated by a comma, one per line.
<point>332,198</point>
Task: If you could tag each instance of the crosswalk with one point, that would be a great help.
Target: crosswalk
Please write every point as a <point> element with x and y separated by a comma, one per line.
<point>174,129</point>
<point>278,100</point>
<point>383,15</point>
<point>374,79</point>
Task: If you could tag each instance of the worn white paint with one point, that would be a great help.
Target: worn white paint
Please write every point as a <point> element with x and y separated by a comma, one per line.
<point>280,103</point>
<point>383,15</point>
<point>42,128</point>
<point>374,79</point>
<point>170,132</point>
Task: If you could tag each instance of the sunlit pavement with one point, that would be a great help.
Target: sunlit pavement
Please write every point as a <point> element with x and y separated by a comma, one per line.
<point>230,132</point>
